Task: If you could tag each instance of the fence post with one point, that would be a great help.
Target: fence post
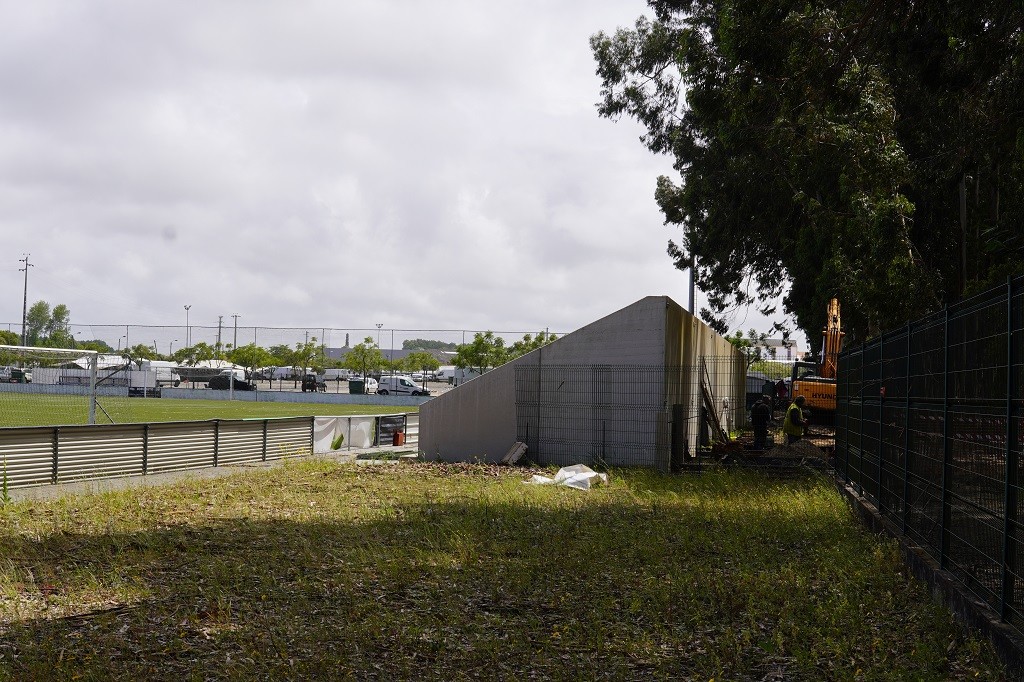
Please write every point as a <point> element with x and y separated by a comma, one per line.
<point>145,449</point>
<point>1010,487</point>
<point>860,441</point>
<point>312,434</point>
<point>906,440</point>
<point>846,417</point>
<point>216,441</point>
<point>881,428</point>
<point>56,449</point>
<point>264,440</point>
<point>947,460</point>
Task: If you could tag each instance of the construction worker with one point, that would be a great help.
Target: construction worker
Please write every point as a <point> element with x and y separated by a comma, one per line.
<point>760,415</point>
<point>795,423</point>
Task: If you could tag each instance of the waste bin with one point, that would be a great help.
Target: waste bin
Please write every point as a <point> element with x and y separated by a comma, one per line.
<point>398,438</point>
<point>356,386</point>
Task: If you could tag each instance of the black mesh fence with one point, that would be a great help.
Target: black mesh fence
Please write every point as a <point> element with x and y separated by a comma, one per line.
<point>929,428</point>
<point>628,415</point>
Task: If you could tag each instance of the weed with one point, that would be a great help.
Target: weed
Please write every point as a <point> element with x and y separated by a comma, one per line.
<point>5,492</point>
<point>320,570</point>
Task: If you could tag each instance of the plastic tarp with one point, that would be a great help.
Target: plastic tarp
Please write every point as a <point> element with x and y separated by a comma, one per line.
<point>578,476</point>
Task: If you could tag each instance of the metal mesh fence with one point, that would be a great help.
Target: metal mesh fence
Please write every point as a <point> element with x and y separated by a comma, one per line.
<point>929,428</point>
<point>628,415</point>
<point>165,339</point>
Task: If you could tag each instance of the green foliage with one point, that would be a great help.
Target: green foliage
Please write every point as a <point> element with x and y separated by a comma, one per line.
<point>309,355</point>
<point>823,145</point>
<point>9,338</point>
<point>251,357</point>
<point>365,358</point>
<point>193,355</point>
<point>95,344</point>
<point>484,352</point>
<point>530,343</point>
<point>283,355</point>
<point>5,493</point>
<point>418,361</point>
<point>139,352</point>
<point>48,328</point>
<point>427,344</point>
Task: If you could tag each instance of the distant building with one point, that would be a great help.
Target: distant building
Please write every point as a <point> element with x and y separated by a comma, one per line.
<point>783,351</point>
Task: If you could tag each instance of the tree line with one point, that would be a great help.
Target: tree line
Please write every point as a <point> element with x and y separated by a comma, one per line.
<point>50,328</point>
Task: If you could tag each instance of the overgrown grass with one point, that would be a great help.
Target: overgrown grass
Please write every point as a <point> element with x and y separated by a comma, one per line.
<point>325,571</point>
<point>27,409</point>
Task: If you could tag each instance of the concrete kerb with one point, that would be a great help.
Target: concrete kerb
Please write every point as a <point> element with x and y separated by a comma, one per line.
<point>373,456</point>
<point>944,586</point>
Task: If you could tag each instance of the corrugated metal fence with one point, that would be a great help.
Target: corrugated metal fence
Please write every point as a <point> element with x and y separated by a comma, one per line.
<point>59,454</point>
<point>929,428</point>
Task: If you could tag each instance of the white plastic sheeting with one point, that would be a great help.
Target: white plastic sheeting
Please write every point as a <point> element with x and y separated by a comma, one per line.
<point>578,476</point>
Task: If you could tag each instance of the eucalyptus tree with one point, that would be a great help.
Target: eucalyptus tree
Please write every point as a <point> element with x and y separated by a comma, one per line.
<point>870,151</point>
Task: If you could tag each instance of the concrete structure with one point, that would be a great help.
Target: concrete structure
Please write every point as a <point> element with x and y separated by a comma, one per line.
<point>654,421</point>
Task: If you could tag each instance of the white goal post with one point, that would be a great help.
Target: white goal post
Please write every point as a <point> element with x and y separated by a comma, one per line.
<point>48,385</point>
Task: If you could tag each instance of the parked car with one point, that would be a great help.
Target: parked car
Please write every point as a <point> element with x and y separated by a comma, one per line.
<point>400,385</point>
<point>222,382</point>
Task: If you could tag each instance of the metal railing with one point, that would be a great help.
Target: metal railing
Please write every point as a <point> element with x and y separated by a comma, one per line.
<point>929,429</point>
<point>44,455</point>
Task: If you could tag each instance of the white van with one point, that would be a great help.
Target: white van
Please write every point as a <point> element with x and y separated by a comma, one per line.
<point>446,373</point>
<point>399,385</point>
<point>164,373</point>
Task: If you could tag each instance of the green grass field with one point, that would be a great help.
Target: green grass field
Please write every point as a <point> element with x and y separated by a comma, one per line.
<point>323,571</point>
<point>24,409</point>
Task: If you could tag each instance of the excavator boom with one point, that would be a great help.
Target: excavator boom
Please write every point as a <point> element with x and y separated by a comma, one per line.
<point>833,341</point>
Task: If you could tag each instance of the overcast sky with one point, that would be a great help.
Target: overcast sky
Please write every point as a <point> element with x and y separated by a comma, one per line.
<point>424,165</point>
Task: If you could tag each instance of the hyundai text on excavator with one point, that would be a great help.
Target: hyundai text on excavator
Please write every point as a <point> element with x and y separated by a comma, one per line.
<point>817,383</point>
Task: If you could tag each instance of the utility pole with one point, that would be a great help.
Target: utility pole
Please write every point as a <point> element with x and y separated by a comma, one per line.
<point>220,322</point>
<point>235,343</point>
<point>24,305</point>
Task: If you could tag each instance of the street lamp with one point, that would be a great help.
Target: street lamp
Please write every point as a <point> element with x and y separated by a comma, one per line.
<point>187,332</point>
<point>170,349</point>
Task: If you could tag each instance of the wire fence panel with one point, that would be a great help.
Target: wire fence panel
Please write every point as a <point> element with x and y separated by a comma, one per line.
<point>628,415</point>
<point>930,426</point>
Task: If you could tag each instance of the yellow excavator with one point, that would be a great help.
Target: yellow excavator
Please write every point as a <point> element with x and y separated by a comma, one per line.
<point>817,383</point>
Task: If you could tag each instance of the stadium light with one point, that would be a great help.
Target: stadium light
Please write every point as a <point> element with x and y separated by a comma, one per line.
<point>188,333</point>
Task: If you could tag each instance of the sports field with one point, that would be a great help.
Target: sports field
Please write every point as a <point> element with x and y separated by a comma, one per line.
<point>47,410</point>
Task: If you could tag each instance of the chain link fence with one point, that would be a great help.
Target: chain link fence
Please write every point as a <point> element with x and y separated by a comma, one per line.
<point>628,415</point>
<point>165,339</point>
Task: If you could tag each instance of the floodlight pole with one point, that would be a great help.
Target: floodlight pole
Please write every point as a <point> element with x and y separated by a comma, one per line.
<point>24,305</point>
<point>188,334</point>
<point>235,343</point>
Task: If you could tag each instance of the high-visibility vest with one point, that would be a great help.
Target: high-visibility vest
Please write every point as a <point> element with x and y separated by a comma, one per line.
<point>790,426</point>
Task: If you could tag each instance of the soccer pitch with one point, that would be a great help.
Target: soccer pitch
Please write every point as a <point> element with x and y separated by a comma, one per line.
<point>44,410</point>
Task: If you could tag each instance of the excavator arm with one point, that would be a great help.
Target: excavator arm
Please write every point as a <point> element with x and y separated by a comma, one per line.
<point>833,341</point>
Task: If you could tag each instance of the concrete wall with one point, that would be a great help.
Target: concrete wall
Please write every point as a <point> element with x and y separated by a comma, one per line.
<point>478,419</point>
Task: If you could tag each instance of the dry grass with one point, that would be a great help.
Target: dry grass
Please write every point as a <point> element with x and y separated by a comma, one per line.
<point>323,571</point>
